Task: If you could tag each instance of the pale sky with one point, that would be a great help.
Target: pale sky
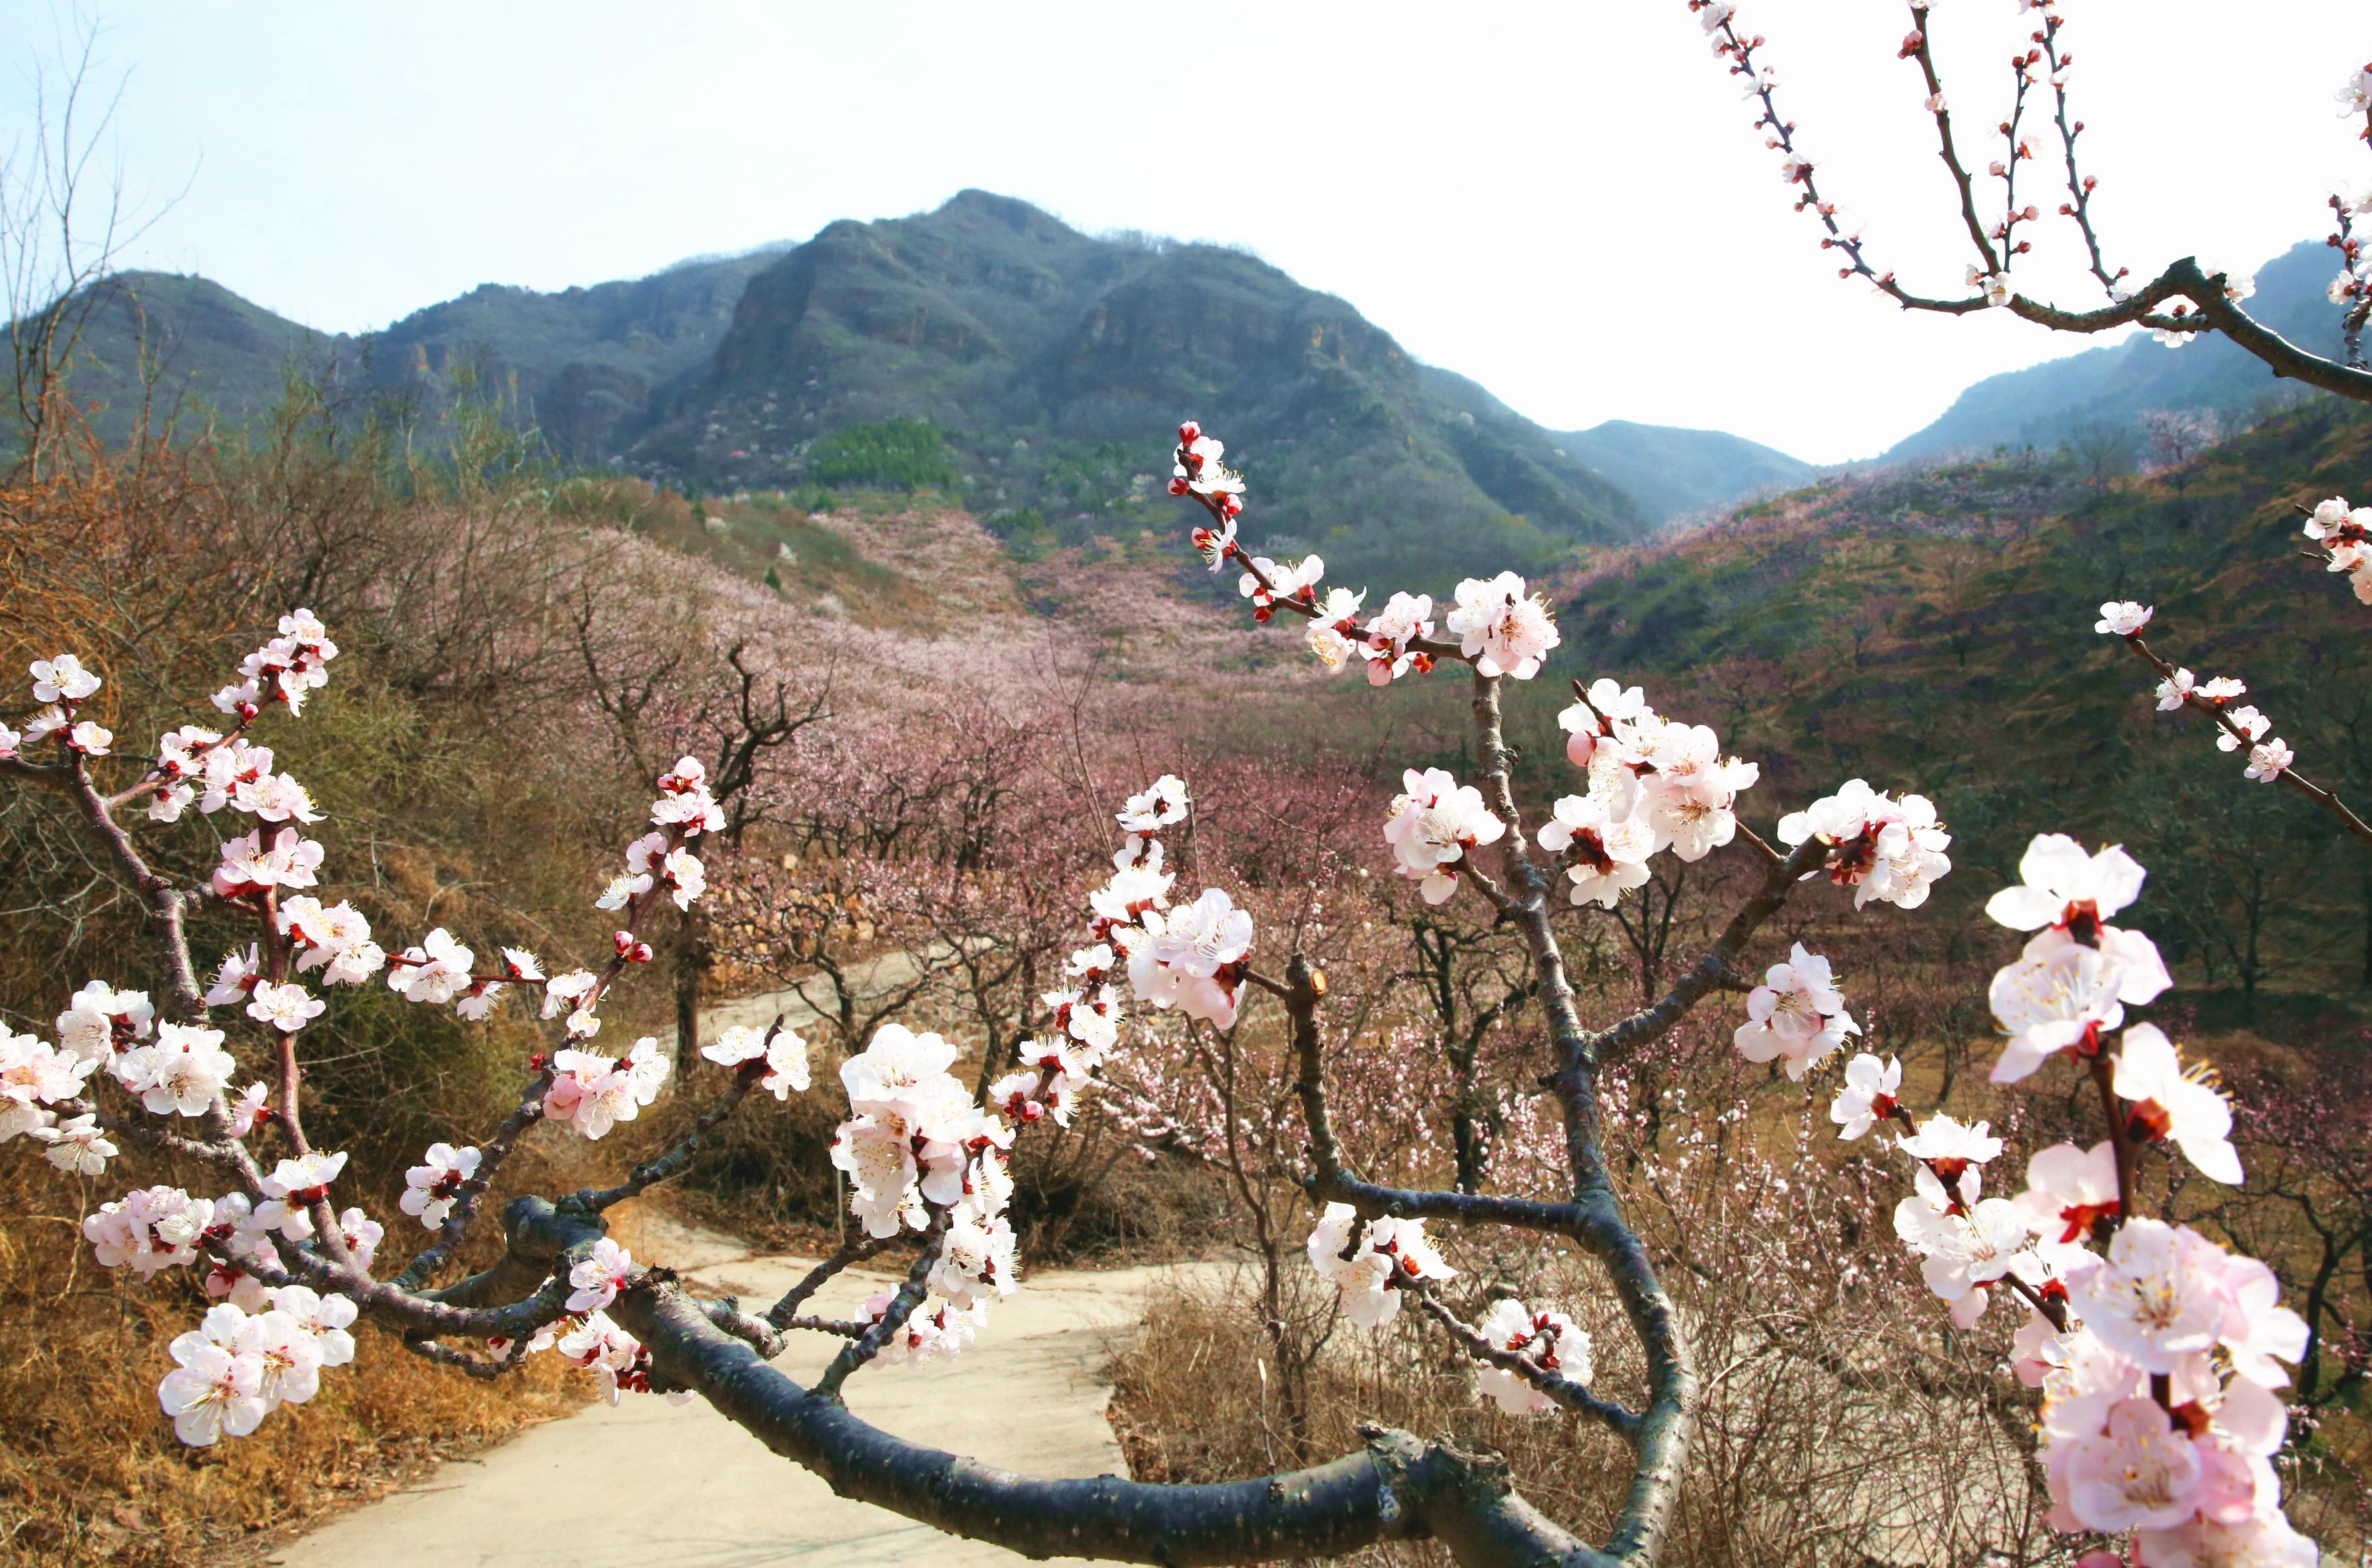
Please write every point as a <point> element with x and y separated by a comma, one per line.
<point>1562,199</point>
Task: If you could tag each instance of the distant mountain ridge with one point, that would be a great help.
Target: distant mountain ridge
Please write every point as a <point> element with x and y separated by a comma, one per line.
<point>1672,473</point>
<point>2114,386</point>
<point>1052,358</point>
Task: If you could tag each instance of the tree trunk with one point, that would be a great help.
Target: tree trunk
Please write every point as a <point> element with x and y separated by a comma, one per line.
<point>691,967</point>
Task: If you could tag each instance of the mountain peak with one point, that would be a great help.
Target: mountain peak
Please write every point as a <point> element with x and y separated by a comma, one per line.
<point>975,204</point>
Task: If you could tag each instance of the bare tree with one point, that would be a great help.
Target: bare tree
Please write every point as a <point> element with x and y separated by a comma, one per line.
<point>2183,299</point>
<point>65,216</point>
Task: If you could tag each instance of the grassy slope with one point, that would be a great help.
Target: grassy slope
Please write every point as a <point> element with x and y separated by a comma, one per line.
<point>1932,632</point>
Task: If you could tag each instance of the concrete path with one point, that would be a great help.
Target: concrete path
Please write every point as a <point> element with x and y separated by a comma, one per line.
<point>871,981</point>
<point>650,1483</point>
<point>654,1483</point>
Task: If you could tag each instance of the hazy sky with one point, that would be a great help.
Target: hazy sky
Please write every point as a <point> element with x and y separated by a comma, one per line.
<point>1561,200</point>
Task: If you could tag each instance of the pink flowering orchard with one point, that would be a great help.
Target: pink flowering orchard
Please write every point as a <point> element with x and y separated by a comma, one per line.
<point>2158,1354</point>
<point>2152,1358</point>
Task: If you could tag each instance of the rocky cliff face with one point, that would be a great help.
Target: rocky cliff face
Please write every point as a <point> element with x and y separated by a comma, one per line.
<point>1035,345</point>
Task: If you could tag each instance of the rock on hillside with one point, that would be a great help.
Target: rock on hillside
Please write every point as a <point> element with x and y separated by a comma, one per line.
<point>582,364</point>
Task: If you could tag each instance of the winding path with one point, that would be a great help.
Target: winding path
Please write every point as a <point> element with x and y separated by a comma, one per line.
<point>651,1483</point>
<point>654,1483</point>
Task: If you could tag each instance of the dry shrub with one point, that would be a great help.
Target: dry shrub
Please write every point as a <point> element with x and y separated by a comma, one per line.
<point>161,573</point>
<point>1801,1456</point>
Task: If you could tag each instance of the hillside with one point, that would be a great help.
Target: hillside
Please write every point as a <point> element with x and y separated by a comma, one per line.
<point>1932,632</point>
<point>188,348</point>
<point>2113,387</point>
<point>1048,356</point>
<point>581,364</point>
<point>1672,473</point>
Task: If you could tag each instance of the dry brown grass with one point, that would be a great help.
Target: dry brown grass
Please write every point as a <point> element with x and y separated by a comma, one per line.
<point>90,1471</point>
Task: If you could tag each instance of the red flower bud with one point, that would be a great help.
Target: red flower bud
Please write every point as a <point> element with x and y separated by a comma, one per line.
<point>1189,433</point>
<point>1177,487</point>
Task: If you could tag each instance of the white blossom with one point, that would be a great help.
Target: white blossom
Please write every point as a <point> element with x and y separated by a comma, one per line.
<point>2175,1104</point>
<point>1868,1097</point>
<point>217,1387</point>
<point>183,1072</point>
<point>2123,617</point>
<point>62,679</point>
<point>1502,627</point>
<point>433,1186</point>
<point>1796,1016</point>
<point>1432,824</point>
<point>595,1092</point>
<point>782,1049</point>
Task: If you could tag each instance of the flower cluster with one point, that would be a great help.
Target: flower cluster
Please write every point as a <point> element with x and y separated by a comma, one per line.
<point>151,1229</point>
<point>2269,757</point>
<point>2352,288</point>
<point>1655,784</point>
<point>265,1340</point>
<point>1266,582</point>
<point>183,1070</point>
<point>1796,1016</point>
<point>238,1365</point>
<point>2161,1412</point>
<point>2346,536</point>
<point>614,1356</point>
<point>1886,850</point>
<point>595,1092</point>
<point>931,1333</point>
<point>432,1188</point>
<point>659,861</point>
<point>774,1060</point>
<point>2078,973</point>
<point>1434,823</point>
<point>34,1075</point>
<point>2156,1349</point>
<point>1199,471</point>
<point>283,670</point>
<point>260,1346</point>
<point>62,684</point>
<point>910,1137</point>
<point>1371,1262</point>
<point>1190,959</point>
<point>1550,1339</point>
<point>1502,627</point>
<point>916,1142</point>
